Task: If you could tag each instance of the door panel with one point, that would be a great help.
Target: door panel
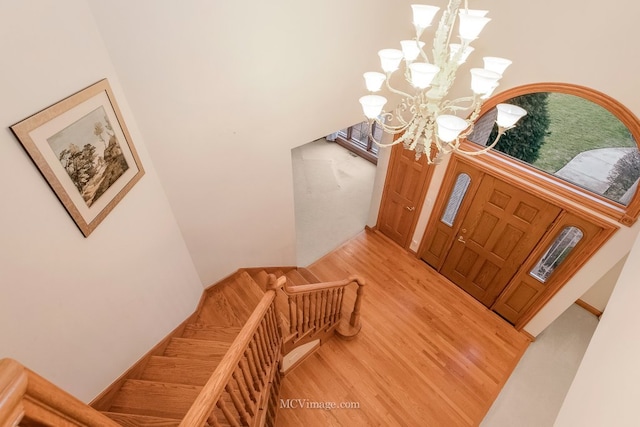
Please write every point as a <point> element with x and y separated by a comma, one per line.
<point>526,288</point>
<point>460,184</point>
<point>403,195</point>
<point>500,229</point>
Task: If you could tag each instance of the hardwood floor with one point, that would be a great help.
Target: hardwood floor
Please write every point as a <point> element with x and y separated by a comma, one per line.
<point>428,353</point>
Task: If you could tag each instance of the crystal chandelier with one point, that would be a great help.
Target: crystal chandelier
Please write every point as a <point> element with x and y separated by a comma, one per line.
<point>427,121</point>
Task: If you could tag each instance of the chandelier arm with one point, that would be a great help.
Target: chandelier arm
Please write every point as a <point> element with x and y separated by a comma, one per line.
<point>388,129</point>
<point>453,104</point>
<point>397,141</point>
<point>396,91</point>
<point>501,131</point>
<point>466,133</point>
<point>476,112</point>
<point>406,104</point>
<point>393,130</point>
<point>423,54</point>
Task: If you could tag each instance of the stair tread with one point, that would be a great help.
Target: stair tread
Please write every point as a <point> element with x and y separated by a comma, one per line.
<point>155,399</point>
<point>216,309</point>
<point>178,370</point>
<point>308,275</point>
<point>261,278</point>
<point>188,348</point>
<point>296,278</point>
<point>133,420</point>
<point>245,294</point>
<point>231,302</point>
<point>203,331</point>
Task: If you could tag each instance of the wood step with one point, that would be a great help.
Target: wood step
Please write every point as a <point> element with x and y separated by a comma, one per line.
<point>188,348</point>
<point>131,420</point>
<point>231,302</point>
<point>296,278</point>
<point>155,399</point>
<point>216,309</point>
<point>308,275</point>
<point>178,370</point>
<point>261,278</point>
<point>245,294</point>
<point>201,331</point>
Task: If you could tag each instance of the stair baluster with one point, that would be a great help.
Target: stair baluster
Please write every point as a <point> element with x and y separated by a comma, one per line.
<point>248,378</point>
<point>244,392</point>
<point>237,404</point>
<point>226,412</point>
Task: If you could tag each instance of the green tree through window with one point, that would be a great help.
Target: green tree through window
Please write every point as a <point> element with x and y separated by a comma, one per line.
<point>532,128</point>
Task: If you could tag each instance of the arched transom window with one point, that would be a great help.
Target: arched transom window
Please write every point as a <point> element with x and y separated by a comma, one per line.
<point>576,135</point>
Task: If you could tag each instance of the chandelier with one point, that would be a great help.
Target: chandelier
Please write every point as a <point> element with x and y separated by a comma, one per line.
<point>427,122</point>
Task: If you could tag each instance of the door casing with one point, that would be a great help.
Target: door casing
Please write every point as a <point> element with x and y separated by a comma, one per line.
<point>403,195</point>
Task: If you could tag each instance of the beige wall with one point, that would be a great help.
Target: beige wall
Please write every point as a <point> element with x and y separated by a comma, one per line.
<point>598,295</point>
<point>77,310</point>
<point>202,84</point>
<point>223,91</point>
<point>605,389</point>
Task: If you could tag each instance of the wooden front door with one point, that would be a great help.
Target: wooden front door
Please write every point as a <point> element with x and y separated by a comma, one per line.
<point>404,192</point>
<point>501,227</point>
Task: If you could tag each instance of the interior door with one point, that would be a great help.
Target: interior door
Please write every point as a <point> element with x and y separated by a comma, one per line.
<point>404,193</point>
<point>501,227</point>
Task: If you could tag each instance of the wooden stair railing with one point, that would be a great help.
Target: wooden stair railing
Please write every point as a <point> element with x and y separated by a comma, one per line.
<point>317,308</point>
<point>248,375</point>
<point>244,387</point>
<point>26,399</point>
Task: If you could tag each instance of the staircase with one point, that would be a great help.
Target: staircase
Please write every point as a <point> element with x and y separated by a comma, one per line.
<point>223,366</point>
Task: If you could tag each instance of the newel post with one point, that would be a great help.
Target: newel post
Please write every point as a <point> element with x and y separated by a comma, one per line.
<point>275,283</point>
<point>349,330</point>
<point>355,315</point>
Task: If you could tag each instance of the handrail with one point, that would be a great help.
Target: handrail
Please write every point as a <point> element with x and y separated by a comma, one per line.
<point>299,289</point>
<point>316,309</point>
<point>201,410</point>
<point>13,386</point>
<point>26,395</point>
<point>248,373</point>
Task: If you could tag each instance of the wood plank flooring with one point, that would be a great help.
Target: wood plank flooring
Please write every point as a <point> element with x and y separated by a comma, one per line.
<point>428,353</point>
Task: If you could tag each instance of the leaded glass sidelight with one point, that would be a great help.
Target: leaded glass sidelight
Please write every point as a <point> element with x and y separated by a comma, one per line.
<point>557,252</point>
<point>455,199</point>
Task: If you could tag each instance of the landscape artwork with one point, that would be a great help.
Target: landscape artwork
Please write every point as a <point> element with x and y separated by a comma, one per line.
<point>83,149</point>
<point>90,153</point>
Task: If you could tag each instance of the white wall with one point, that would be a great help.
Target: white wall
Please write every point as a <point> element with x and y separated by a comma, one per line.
<point>78,311</point>
<point>224,90</point>
<point>598,295</point>
<point>605,390</point>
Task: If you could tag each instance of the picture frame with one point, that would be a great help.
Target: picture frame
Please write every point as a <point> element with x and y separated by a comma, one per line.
<point>83,149</point>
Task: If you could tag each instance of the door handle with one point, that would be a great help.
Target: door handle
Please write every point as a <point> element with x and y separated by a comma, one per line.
<point>410,209</point>
<point>461,240</point>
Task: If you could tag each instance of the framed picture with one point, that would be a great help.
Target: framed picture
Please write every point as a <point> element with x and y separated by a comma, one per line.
<point>83,149</point>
